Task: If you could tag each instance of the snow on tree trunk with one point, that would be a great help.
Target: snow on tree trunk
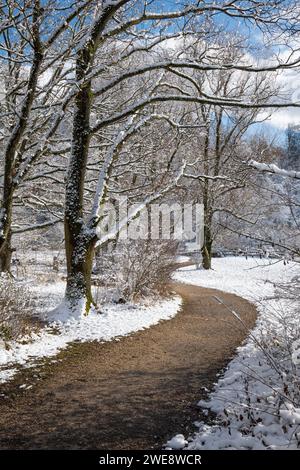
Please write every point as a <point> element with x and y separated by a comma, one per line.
<point>80,255</point>
<point>79,242</point>
<point>80,239</point>
<point>5,229</point>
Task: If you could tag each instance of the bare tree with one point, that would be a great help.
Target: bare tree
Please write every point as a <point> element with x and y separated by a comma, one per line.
<point>219,170</point>
<point>122,21</point>
<point>102,44</point>
<point>33,59</point>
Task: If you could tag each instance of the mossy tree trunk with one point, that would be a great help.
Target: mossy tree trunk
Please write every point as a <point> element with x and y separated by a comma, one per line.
<point>80,237</point>
<point>79,243</point>
<point>80,255</point>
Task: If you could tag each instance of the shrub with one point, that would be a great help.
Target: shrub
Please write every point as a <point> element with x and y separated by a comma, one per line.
<point>15,308</point>
<point>139,268</point>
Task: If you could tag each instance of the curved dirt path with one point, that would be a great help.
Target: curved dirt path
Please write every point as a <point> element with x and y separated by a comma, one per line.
<point>134,393</point>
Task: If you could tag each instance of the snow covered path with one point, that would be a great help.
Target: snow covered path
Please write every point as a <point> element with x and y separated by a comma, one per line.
<point>130,393</point>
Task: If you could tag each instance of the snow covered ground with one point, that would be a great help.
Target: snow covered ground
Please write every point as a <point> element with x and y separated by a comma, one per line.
<point>114,321</point>
<point>47,290</point>
<point>250,278</point>
<point>257,400</point>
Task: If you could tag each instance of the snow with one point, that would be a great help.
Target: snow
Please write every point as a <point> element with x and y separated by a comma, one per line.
<point>65,311</point>
<point>6,375</point>
<point>250,278</point>
<point>183,259</point>
<point>114,321</point>
<point>177,442</point>
<point>291,415</point>
<point>272,168</point>
<point>254,401</point>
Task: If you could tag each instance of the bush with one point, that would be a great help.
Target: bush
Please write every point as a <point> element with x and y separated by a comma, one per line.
<point>138,268</point>
<point>15,308</point>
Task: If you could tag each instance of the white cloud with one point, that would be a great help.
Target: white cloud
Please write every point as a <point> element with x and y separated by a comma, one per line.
<point>289,81</point>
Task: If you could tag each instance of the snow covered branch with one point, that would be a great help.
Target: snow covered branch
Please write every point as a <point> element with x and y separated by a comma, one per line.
<point>272,168</point>
<point>132,214</point>
<point>186,99</point>
<point>31,228</point>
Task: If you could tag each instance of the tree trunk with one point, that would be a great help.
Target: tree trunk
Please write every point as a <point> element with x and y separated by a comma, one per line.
<point>80,255</point>
<point>80,239</point>
<point>206,253</point>
<point>208,239</point>
<point>10,154</point>
<point>6,253</point>
<point>79,243</point>
<point>5,229</point>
